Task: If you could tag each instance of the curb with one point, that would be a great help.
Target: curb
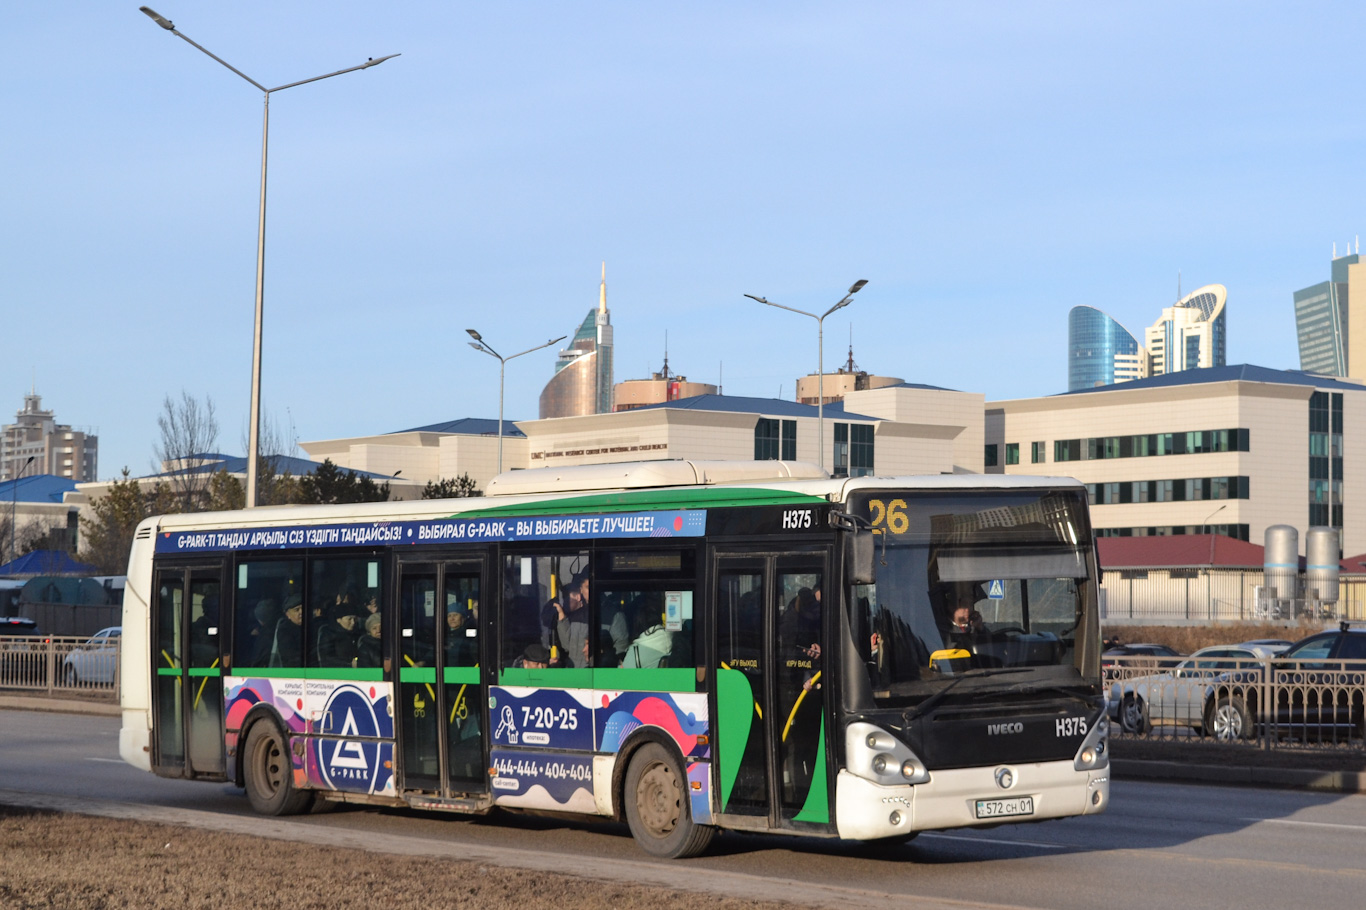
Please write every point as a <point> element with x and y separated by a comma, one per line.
<point>1287,778</point>
<point>60,705</point>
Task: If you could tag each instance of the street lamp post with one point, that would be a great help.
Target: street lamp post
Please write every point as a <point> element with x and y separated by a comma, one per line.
<point>14,507</point>
<point>254,442</point>
<point>479,344</point>
<point>820,358</point>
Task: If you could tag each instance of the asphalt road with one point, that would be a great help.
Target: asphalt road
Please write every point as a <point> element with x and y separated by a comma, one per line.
<point>1159,845</point>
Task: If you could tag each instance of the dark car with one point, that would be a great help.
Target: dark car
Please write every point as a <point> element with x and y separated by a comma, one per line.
<point>23,656</point>
<point>1319,683</point>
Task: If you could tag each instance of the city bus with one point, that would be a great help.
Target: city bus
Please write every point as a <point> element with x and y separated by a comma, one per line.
<point>683,646</point>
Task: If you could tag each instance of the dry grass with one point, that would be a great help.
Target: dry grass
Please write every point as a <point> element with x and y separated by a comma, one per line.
<point>1191,638</point>
<point>62,861</point>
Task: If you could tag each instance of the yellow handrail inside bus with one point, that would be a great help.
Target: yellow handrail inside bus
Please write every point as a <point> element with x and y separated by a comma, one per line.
<point>202,683</point>
<point>411,663</point>
<point>791,717</point>
<point>169,660</point>
<point>459,700</point>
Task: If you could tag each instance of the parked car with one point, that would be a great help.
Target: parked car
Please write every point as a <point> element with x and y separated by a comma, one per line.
<point>95,661</point>
<point>1319,683</point>
<point>1157,655</point>
<point>1208,692</point>
<point>23,658</point>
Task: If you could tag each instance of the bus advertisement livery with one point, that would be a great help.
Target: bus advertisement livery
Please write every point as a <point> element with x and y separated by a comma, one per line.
<point>682,646</point>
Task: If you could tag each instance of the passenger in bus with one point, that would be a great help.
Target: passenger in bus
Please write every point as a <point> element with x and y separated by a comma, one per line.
<point>262,636</point>
<point>337,638</point>
<point>288,646</point>
<point>571,626</point>
<point>968,628</point>
<point>204,634</point>
<point>653,643</point>
<point>369,653</point>
<point>614,629</point>
<point>462,649</point>
<point>535,657</point>
<point>800,624</point>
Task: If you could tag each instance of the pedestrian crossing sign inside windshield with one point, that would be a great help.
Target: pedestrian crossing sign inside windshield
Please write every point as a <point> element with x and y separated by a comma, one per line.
<point>996,590</point>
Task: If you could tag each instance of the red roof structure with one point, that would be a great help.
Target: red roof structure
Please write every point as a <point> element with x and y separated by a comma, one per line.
<point>1179,550</point>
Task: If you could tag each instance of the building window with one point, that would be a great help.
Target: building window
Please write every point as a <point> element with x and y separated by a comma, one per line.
<point>860,450</point>
<point>774,439</point>
<point>1037,453</point>
<point>989,457</point>
<point>840,463</point>
<point>1012,453</point>
<point>1067,450</point>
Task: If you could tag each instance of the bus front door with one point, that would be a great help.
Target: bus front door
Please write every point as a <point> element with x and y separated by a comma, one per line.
<point>770,703</point>
<point>188,690</point>
<point>441,693</point>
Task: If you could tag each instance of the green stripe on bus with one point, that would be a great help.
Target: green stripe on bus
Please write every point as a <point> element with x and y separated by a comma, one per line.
<point>212,672</point>
<point>417,675</point>
<point>350,674</point>
<point>735,709</point>
<point>168,671</point>
<point>651,500</point>
<point>463,676</point>
<point>554,677</point>
<point>817,805</point>
<point>646,679</point>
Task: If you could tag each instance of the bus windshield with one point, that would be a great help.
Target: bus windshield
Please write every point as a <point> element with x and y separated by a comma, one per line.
<point>995,586</point>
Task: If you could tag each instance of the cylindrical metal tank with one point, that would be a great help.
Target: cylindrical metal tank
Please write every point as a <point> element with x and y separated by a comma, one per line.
<point>1281,561</point>
<point>1321,565</point>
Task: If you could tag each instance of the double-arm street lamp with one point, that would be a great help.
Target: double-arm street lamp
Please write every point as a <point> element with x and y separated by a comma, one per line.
<point>14,507</point>
<point>254,444</point>
<point>820,358</point>
<point>479,344</point>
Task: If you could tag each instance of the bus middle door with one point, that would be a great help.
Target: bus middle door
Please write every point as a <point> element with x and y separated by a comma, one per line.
<point>188,680</point>
<point>441,694</point>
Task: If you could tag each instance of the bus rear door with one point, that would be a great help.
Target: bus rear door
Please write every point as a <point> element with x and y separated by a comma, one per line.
<point>188,689</point>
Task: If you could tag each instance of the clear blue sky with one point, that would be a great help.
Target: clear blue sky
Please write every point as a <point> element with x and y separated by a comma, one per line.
<point>986,166</point>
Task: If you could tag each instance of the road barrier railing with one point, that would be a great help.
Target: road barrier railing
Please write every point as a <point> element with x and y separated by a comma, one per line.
<point>1248,704</point>
<point>59,666</point>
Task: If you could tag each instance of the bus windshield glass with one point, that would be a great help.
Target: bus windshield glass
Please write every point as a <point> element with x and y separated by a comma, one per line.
<point>995,585</point>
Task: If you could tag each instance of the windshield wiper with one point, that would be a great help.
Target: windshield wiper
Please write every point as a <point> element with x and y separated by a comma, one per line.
<point>937,697</point>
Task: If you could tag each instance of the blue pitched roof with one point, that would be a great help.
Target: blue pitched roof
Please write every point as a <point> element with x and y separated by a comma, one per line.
<point>469,426</point>
<point>1243,372</point>
<point>36,488</point>
<point>46,562</point>
<point>235,464</point>
<point>776,407</point>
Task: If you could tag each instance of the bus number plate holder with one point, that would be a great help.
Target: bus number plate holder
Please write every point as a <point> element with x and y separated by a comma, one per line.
<point>1003,808</point>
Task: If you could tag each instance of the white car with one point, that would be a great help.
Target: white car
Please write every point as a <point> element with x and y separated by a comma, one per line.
<point>95,661</point>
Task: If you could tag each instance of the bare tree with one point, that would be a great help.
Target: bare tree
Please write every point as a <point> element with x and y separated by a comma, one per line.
<point>189,430</point>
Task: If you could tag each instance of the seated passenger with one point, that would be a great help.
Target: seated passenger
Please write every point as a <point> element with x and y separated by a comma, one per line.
<point>535,657</point>
<point>369,652</point>
<point>652,645</point>
<point>287,649</point>
<point>337,638</point>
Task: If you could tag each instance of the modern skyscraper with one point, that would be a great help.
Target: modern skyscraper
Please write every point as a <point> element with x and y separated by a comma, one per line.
<point>582,383</point>
<point>1100,351</point>
<point>1323,319</point>
<point>1190,334</point>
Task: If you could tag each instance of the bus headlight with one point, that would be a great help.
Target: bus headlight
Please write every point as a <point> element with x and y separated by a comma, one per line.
<point>876,755</point>
<point>1093,753</point>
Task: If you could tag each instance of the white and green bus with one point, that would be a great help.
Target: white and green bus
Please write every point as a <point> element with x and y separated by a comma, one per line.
<point>683,646</point>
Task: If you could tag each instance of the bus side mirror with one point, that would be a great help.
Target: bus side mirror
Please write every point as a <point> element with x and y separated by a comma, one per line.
<point>858,557</point>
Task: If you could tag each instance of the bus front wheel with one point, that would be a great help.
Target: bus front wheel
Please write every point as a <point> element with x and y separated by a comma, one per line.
<point>657,806</point>
<point>269,774</point>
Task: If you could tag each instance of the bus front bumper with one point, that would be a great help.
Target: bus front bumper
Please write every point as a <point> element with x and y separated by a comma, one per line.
<point>968,797</point>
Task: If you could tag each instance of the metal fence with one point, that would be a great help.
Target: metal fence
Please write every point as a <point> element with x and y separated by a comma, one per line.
<point>60,666</point>
<point>1249,704</point>
<point>1212,594</point>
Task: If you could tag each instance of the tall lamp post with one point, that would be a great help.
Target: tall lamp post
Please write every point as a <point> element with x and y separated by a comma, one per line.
<point>14,507</point>
<point>820,358</point>
<point>254,443</point>
<point>479,344</point>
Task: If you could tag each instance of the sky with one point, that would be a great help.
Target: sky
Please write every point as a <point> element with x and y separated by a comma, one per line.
<point>985,166</point>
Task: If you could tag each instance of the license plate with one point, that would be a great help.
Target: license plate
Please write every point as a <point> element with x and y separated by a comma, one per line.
<point>1001,808</point>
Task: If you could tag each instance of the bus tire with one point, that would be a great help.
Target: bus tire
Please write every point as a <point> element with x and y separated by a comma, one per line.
<point>657,806</point>
<point>269,773</point>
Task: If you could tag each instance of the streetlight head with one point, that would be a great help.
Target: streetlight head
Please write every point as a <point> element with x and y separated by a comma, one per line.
<point>158,18</point>
<point>476,346</point>
<point>376,61</point>
<point>473,334</point>
<point>858,285</point>
<point>759,299</point>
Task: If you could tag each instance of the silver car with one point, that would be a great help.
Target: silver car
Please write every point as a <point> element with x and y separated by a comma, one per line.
<point>1205,692</point>
<point>93,663</point>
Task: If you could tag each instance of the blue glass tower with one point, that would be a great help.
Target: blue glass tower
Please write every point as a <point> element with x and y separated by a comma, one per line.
<point>1093,341</point>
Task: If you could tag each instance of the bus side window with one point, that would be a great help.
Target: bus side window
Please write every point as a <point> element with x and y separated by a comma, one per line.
<point>533,586</point>
<point>262,589</point>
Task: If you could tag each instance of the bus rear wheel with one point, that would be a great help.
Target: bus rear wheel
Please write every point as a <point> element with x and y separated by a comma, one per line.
<point>269,774</point>
<point>657,806</point>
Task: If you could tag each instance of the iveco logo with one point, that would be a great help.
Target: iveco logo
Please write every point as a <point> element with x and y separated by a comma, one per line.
<point>1002,729</point>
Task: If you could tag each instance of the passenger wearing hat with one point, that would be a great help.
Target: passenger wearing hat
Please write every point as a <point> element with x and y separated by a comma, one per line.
<point>287,649</point>
<point>571,626</point>
<point>369,650</point>
<point>337,637</point>
<point>535,657</point>
<point>462,648</point>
